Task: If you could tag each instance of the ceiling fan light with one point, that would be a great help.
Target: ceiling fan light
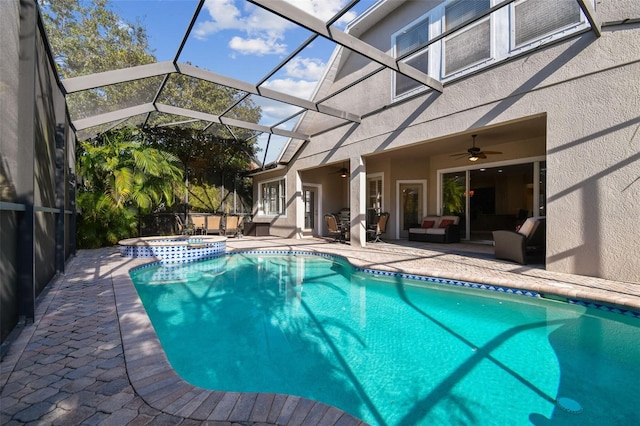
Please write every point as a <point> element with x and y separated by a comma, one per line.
<point>473,158</point>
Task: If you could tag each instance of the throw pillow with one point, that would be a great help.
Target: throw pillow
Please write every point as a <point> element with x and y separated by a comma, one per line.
<point>445,222</point>
<point>428,223</point>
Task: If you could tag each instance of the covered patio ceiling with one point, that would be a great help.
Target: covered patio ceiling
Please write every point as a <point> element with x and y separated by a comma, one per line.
<point>152,108</point>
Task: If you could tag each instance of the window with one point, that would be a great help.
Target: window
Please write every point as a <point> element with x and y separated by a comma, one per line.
<point>467,48</point>
<point>409,40</point>
<point>470,45</point>
<point>461,11</point>
<point>504,33</point>
<point>535,19</point>
<point>405,84</point>
<point>374,192</point>
<point>273,197</point>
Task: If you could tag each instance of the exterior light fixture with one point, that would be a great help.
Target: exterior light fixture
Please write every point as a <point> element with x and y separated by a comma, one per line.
<point>344,173</point>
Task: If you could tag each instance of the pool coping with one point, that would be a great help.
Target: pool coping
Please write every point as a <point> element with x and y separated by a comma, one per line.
<point>157,383</point>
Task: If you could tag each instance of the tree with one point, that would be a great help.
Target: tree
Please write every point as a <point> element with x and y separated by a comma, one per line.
<point>87,37</point>
<point>120,178</point>
<point>208,160</point>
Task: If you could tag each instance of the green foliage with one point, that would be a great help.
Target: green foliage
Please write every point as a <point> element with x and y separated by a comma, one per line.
<point>210,160</point>
<point>87,37</point>
<point>204,198</point>
<point>452,195</point>
<point>125,173</point>
<point>100,224</point>
<point>119,178</point>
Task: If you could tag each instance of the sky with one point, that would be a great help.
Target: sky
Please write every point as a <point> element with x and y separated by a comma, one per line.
<point>238,39</point>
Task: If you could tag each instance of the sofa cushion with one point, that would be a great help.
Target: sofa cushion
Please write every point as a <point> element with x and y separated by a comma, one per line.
<point>456,219</point>
<point>418,230</point>
<point>428,223</point>
<point>435,231</point>
<point>445,222</point>
<point>527,226</point>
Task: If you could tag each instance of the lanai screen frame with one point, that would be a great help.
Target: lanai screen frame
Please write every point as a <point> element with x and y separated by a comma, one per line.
<point>317,27</point>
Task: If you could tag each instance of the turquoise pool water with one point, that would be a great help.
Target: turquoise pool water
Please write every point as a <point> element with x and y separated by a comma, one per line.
<point>388,350</point>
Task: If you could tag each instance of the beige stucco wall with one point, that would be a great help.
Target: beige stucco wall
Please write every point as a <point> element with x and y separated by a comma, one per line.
<point>588,90</point>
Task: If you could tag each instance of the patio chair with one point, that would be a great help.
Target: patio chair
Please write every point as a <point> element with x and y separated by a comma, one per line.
<point>198,224</point>
<point>214,225</point>
<point>376,232</point>
<point>334,228</point>
<point>181,227</point>
<point>231,225</point>
<point>522,245</point>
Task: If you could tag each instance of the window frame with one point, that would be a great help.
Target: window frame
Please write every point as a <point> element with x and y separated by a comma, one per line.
<point>376,177</point>
<point>546,38</point>
<point>424,50</point>
<point>502,43</point>
<point>281,197</point>
<point>474,65</point>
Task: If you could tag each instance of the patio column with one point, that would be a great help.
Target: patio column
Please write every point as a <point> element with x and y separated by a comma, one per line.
<point>357,205</point>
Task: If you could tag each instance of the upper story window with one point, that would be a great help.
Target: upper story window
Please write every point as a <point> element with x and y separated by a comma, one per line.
<point>272,197</point>
<point>409,40</point>
<point>535,19</point>
<point>470,45</point>
<point>506,32</point>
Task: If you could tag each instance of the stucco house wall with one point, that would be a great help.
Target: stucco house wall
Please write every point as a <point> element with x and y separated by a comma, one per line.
<point>584,89</point>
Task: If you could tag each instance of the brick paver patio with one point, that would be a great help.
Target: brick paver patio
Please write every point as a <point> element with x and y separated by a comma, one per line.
<point>92,357</point>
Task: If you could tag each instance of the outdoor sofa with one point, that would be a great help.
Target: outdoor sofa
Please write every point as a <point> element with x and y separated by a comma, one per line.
<point>437,229</point>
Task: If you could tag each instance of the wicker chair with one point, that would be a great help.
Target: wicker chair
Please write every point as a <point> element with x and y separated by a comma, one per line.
<point>334,228</point>
<point>380,228</point>
<point>523,245</point>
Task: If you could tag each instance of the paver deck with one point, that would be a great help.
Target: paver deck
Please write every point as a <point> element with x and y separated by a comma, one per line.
<point>92,357</point>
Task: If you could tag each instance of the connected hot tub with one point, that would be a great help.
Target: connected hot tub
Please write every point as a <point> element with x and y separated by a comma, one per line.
<point>176,249</point>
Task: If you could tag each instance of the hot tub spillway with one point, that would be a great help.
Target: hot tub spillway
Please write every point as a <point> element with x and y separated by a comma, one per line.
<point>177,249</point>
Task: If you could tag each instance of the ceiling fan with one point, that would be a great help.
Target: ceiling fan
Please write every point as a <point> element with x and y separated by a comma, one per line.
<point>343,172</point>
<point>474,153</point>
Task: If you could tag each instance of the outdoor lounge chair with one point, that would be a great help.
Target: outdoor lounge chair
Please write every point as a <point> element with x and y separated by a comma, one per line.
<point>334,228</point>
<point>522,245</point>
<point>198,224</point>
<point>181,227</point>
<point>380,228</point>
<point>232,225</point>
<point>214,225</point>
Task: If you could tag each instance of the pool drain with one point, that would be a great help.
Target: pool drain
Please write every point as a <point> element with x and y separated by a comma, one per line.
<point>569,405</point>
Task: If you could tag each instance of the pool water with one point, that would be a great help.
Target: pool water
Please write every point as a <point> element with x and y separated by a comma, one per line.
<point>388,350</point>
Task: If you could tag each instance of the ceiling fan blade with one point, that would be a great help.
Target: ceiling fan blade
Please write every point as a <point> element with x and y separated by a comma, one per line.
<point>461,155</point>
<point>481,155</point>
<point>491,152</point>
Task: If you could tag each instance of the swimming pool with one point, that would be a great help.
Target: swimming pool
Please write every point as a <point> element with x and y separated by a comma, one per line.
<point>391,350</point>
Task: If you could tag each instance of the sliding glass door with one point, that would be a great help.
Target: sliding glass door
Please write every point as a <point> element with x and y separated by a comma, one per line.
<point>492,198</point>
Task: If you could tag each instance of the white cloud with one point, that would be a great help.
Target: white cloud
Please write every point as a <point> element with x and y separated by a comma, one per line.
<point>256,46</point>
<point>225,15</point>
<point>324,9</point>
<point>264,30</point>
<point>299,88</point>
<point>275,112</point>
<point>305,68</point>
